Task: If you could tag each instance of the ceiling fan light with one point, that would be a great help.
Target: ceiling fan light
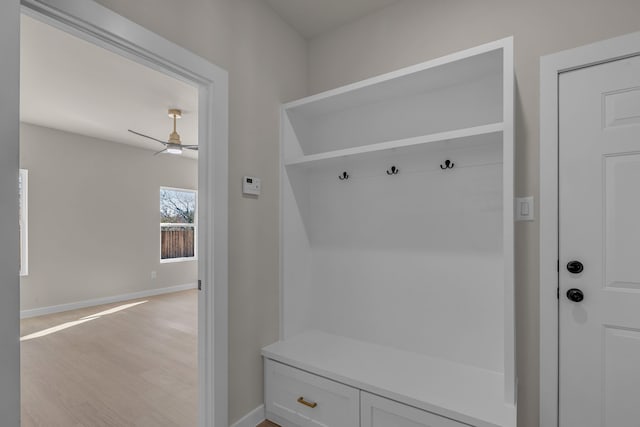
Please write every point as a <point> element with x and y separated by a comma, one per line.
<point>174,150</point>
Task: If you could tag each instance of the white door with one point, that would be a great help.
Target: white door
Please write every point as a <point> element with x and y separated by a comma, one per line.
<point>599,199</point>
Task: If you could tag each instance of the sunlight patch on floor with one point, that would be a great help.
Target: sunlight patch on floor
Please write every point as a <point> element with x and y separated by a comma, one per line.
<point>80,321</point>
<point>115,309</point>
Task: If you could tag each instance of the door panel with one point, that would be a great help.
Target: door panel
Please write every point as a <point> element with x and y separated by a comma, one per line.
<point>621,377</point>
<point>599,189</point>
<point>622,107</point>
<point>622,233</point>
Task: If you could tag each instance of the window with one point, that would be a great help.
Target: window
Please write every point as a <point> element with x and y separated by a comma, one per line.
<point>178,214</point>
<point>23,186</point>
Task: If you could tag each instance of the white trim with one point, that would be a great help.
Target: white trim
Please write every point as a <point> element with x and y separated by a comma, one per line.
<point>24,222</point>
<point>252,419</point>
<point>508,235</point>
<point>551,66</point>
<point>94,23</point>
<point>24,314</point>
<point>172,260</point>
<point>281,186</point>
<point>191,190</point>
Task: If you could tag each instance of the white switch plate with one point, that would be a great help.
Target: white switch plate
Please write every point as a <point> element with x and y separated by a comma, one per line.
<point>524,208</point>
<point>251,185</point>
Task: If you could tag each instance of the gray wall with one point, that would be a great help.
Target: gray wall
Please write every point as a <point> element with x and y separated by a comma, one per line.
<point>94,217</point>
<point>267,64</point>
<point>9,248</point>
<point>413,31</point>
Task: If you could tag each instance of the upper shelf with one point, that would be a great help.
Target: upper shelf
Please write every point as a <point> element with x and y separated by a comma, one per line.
<point>450,136</point>
<point>442,72</point>
<point>456,92</point>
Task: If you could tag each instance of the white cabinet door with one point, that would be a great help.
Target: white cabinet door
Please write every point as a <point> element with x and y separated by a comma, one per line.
<point>298,398</point>
<point>599,185</point>
<point>376,411</point>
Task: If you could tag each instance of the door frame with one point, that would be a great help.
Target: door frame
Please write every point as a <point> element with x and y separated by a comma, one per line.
<point>551,66</point>
<point>94,23</point>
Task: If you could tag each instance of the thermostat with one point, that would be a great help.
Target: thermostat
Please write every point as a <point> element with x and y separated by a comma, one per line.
<point>251,185</point>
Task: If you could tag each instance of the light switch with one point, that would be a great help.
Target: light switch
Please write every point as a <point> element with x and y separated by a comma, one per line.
<point>524,208</point>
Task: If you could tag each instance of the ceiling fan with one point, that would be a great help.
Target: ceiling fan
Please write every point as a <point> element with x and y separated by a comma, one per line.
<point>174,145</point>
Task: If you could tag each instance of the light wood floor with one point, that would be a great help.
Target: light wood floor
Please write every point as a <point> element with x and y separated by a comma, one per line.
<point>133,366</point>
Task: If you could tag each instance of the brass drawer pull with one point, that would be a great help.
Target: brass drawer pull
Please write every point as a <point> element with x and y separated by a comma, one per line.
<point>305,403</point>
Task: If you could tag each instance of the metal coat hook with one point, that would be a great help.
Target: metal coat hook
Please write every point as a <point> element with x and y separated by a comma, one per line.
<point>343,176</point>
<point>448,164</point>
<point>393,171</point>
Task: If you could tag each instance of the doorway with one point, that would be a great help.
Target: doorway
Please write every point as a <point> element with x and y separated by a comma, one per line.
<point>590,327</point>
<point>110,301</point>
<point>99,25</point>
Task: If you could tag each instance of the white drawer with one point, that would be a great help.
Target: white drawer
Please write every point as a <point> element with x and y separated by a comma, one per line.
<point>377,411</point>
<point>287,390</point>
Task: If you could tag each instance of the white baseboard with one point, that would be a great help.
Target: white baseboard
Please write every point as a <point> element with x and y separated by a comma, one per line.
<point>106,300</point>
<point>252,419</point>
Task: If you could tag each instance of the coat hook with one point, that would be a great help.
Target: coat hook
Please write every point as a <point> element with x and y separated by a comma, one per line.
<point>343,176</point>
<point>448,164</point>
<point>393,171</point>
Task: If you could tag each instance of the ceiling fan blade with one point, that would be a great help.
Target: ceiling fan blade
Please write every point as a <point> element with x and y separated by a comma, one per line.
<point>159,152</point>
<point>191,147</point>
<point>147,136</point>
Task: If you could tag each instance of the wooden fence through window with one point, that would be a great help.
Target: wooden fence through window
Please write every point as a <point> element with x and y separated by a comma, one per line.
<point>177,242</point>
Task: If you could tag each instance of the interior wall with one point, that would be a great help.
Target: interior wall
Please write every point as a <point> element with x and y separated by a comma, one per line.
<point>413,31</point>
<point>9,249</point>
<point>267,64</point>
<point>268,67</point>
<point>94,217</point>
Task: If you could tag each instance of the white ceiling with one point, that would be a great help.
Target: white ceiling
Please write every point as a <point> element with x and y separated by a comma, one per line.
<point>75,86</point>
<point>313,17</point>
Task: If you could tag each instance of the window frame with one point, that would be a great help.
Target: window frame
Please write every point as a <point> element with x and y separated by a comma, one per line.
<point>193,225</point>
<point>23,197</point>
